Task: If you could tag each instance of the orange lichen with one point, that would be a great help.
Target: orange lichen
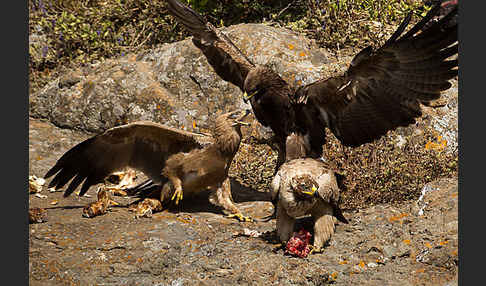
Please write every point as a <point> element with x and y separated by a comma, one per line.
<point>439,146</point>
<point>302,54</point>
<point>443,242</point>
<point>343,262</point>
<point>398,217</point>
<point>291,47</point>
<point>428,245</point>
<point>406,241</point>
<point>361,264</point>
<point>194,124</point>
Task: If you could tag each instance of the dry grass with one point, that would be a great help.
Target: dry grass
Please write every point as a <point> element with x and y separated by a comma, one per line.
<point>68,33</point>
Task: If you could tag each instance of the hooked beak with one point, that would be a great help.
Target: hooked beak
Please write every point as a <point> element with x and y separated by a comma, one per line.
<point>239,120</point>
<point>311,193</point>
<point>113,203</point>
<point>247,97</point>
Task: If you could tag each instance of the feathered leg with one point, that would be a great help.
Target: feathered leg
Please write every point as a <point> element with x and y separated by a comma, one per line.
<point>285,224</point>
<point>324,225</point>
<point>177,183</point>
<point>222,198</point>
<point>281,157</point>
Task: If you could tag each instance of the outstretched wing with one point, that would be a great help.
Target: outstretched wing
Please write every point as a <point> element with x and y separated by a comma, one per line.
<point>225,58</point>
<point>142,145</point>
<point>383,89</point>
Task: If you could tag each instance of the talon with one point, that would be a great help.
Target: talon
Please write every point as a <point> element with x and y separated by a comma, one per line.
<point>240,217</point>
<point>113,203</point>
<point>315,249</point>
<point>178,194</point>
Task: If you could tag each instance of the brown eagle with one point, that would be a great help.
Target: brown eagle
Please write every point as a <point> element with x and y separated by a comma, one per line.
<point>302,187</point>
<point>381,90</point>
<point>180,161</point>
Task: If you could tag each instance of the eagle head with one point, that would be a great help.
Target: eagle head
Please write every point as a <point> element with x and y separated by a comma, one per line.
<point>304,186</point>
<point>227,131</point>
<point>232,119</point>
<point>258,81</point>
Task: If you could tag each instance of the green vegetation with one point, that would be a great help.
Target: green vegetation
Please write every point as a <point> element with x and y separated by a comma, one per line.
<point>66,33</point>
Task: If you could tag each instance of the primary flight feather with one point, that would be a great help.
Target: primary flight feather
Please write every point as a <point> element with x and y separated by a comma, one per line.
<point>381,90</point>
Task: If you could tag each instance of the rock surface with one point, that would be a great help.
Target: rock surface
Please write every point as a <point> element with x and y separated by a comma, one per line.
<point>156,85</point>
<point>401,196</point>
<point>412,244</point>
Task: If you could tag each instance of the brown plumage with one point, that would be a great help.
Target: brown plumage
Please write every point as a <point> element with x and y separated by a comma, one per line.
<point>306,187</point>
<point>142,145</point>
<point>186,161</point>
<point>207,168</point>
<point>381,90</point>
<point>100,207</point>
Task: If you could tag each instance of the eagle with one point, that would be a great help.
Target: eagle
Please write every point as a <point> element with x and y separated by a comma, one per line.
<point>306,187</point>
<point>174,160</point>
<point>381,89</point>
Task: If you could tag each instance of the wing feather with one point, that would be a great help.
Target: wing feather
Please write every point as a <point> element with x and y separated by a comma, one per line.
<point>140,145</point>
<point>229,62</point>
<point>383,89</point>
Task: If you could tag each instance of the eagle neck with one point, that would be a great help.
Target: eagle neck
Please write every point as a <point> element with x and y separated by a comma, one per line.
<point>227,138</point>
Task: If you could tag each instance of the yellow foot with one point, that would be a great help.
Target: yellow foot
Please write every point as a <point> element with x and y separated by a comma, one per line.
<point>177,196</point>
<point>240,217</point>
<point>112,203</point>
<point>315,249</point>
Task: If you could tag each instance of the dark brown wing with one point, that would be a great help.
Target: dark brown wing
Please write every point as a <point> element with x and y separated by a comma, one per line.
<point>383,89</point>
<point>225,58</point>
<point>140,145</point>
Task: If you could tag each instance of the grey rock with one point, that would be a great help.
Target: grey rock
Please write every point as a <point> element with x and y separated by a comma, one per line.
<point>155,85</point>
<point>389,251</point>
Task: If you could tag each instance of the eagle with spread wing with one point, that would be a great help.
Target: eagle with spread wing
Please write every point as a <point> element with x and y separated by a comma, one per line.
<point>141,145</point>
<point>381,90</point>
<point>306,187</point>
<point>174,160</point>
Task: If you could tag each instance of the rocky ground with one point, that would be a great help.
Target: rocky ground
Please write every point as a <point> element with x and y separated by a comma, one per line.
<point>415,243</point>
<point>401,197</point>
